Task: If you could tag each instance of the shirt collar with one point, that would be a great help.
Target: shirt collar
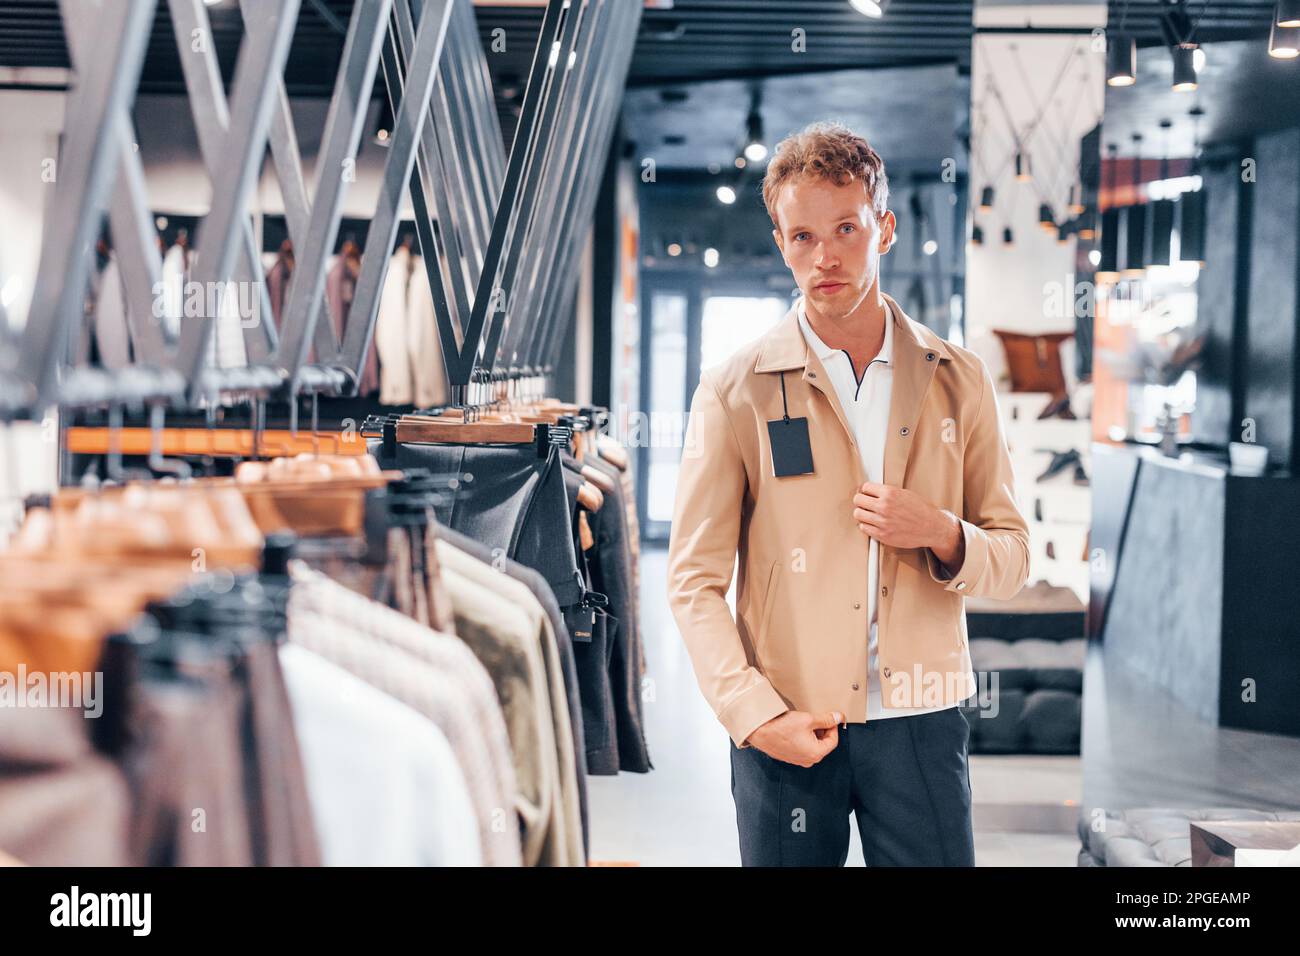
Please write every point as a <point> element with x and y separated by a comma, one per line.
<point>824,351</point>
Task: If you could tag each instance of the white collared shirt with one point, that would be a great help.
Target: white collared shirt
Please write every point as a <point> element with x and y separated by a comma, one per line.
<point>866,402</point>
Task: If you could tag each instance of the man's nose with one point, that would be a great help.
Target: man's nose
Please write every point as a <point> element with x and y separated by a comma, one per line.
<point>824,254</point>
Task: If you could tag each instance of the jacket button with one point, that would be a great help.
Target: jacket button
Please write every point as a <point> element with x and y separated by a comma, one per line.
<point>961,585</point>
<point>887,672</point>
<point>903,431</point>
<point>929,356</point>
<point>812,374</point>
<point>855,685</point>
<point>884,591</point>
<point>857,605</point>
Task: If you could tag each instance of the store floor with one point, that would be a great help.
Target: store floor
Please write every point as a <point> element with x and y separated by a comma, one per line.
<point>1143,748</point>
<point>681,813</point>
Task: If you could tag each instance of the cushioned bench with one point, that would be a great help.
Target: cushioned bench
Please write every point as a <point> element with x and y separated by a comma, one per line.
<point>1034,643</point>
<point>1152,836</point>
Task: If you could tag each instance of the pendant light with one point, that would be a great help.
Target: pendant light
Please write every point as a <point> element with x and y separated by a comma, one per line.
<point>1191,227</point>
<point>1287,13</point>
<point>977,236</point>
<point>1086,224</point>
<point>1007,237</point>
<point>1108,266</point>
<point>1075,204</point>
<point>1283,42</point>
<point>986,199</point>
<point>1160,219</point>
<point>1063,233</point>
<point>1191,205</point>
<point>1133,261</point>
<point>1046,219</point>
<point>1121,60</point>
<point>1184,57</point>
<point>1023,174</point>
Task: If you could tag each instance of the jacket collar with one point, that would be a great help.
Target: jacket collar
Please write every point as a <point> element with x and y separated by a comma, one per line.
<point>824,351</point>
<point>784,348</point>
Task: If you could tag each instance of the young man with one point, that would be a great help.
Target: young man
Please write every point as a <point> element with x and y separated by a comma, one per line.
<point>856,462</point>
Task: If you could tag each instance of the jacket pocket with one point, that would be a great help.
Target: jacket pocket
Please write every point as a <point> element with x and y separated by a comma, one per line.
<point>765,615</point>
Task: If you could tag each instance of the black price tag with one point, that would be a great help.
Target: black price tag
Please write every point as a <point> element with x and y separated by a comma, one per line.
<point>791,450</point>
<point>581,621</point>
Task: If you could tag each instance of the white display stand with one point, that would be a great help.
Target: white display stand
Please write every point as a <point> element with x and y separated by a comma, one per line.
<point>1058,510</point>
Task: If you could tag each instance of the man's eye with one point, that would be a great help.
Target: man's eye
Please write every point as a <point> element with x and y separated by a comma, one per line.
<point>849,226</point>
<point>800,235</point>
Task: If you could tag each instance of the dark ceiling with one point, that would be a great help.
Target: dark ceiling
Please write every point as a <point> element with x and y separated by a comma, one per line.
<point>693,40</point>
<point>1208,20</point>
<point>1236,73</point>
<point>911,115</point>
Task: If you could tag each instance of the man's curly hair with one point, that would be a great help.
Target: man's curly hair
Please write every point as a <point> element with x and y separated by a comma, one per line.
<point>828,151</point>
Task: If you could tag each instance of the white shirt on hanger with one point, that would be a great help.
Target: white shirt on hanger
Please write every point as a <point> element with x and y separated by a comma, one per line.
<point>866,404</point>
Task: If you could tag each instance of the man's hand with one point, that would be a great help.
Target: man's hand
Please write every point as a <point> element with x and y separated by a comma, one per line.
<point>903,519</point>
<point>797,737</point>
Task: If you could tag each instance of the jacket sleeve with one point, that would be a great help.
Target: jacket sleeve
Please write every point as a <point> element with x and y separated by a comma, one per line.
<point>701,558</point>
<point>996,563</point>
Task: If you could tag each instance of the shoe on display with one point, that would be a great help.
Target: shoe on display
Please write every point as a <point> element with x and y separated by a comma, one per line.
<point>1058,408</point>
<point>1060,461</point>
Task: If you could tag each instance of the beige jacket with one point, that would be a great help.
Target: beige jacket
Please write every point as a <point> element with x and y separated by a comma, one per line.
<point>798,639</point>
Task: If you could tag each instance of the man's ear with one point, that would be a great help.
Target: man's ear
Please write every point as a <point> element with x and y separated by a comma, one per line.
<point>780,244</point>
<point>888,224</point>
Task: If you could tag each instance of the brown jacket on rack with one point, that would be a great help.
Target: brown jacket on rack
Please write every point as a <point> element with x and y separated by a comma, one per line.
<point>799,637</point>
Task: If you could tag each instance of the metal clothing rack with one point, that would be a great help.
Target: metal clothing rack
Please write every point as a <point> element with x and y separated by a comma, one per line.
<point>499,235</point>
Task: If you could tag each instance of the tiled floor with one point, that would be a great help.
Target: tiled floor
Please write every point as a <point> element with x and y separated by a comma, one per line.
<point>681,814</point>
<point>1143,748</point>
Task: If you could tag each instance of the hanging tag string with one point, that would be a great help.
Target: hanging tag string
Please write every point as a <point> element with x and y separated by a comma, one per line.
<point>785,408</point>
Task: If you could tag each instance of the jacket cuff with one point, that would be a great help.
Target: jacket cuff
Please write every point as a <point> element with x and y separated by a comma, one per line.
<point>751,710</point>
<point>973,564</point>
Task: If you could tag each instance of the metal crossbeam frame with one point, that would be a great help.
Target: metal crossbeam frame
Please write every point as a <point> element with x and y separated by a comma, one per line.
<point>259,68</point>
<point>559,214</point>
<point>551,308</point>
<point>85,169</point>
<point>343,128</point>
<point>425,46</point>
<point>499,235</point>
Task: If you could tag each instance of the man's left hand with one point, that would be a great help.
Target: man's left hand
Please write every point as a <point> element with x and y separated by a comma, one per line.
<point>903,519</point>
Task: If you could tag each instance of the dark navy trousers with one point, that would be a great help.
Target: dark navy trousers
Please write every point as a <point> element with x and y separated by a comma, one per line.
<point>906,779</point>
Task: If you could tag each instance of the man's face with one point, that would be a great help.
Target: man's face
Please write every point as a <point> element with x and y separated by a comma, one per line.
<point>832,240</point>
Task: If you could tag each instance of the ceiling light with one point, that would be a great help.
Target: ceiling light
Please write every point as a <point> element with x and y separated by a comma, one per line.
<point>1287,13</point>
<point>726,195</point>
<point>1022,167</point>
<point>1121,61</point>
<point>1108,256</point>
<point>1094,256</point>
<point>711,257</point>
<point>740,162</point>
<point>1046,220</point>
<point>930,247</point>
<point>674,249</point>
<point>1284,42</point>
<point>1184,58</point>
<point>755,151</point>
<point>1198,59</point>
<point>1191,227</point>
<point>868,8</point>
